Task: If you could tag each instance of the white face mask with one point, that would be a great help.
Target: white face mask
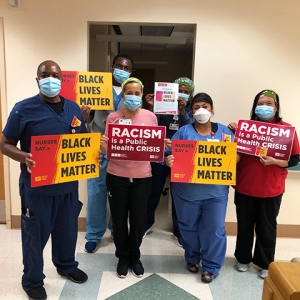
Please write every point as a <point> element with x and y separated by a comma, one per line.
<point>202,115</point>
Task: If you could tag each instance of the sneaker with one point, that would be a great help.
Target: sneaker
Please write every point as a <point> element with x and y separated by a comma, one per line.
<point>38,293</point>
<point>207,277</point>
<point>77,276</point>
<point>146,232</point>
<point>137,269</point>
<point>241,267</point>
<point>263,273</point>
<point>90,247</point>
<point>112,235</point>
<point>122,270</point>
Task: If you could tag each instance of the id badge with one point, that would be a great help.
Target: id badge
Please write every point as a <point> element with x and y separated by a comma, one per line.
<point>125,121</point>
<point>173,126</point>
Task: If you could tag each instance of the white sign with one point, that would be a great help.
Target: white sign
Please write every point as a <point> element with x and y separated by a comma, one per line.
<point>166,98</point>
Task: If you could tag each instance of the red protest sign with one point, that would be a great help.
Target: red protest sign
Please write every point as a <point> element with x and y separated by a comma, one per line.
<point>136,142</point>
<point>264,139</point>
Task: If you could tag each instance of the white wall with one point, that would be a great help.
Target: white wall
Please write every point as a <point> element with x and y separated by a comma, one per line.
<point>241,48</point>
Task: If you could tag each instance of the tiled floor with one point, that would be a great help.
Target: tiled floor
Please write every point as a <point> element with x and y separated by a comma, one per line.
<point>166,276</point>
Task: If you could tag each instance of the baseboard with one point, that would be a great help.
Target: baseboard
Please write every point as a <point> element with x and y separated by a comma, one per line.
<point>288,231</point>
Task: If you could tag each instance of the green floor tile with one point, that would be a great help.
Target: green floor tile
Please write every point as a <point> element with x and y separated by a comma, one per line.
<point>153,287</point>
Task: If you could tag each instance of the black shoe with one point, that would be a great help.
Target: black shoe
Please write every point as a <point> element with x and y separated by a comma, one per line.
<point>38,293</point>
<point>122,269</point>
<point>192,267</point>
<point>207,277</point>
<point>77,276</point>
<point>137,269</point>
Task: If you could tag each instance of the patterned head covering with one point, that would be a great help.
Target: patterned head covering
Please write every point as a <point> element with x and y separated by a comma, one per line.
<point>268,93</point>
<point>187,82</point>
<point>131,79</point>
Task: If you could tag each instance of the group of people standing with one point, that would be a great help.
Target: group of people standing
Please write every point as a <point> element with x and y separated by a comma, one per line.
<point>133,188</point>
<point>199,210</point>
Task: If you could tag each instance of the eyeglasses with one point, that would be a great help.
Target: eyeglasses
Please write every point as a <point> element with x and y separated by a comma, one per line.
<point>125,68</point>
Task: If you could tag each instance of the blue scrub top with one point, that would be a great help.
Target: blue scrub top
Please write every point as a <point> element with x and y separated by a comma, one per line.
<point>166,120</point>
<point>193,191</point>
<point>34,117</point>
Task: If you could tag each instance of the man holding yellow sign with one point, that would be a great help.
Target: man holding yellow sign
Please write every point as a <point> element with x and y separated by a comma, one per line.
<point>52,209</point>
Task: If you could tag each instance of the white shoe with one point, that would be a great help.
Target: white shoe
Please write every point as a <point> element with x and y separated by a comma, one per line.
<point>241,267</point>
<point>145,233</point>
<point>296,259</point>
<point>263,273</point>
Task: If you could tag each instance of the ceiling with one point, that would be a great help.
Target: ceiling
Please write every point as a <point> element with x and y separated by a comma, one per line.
<point>178,38</point>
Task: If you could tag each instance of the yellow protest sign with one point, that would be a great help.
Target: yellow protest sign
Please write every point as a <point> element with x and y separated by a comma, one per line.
<point>204,162</point>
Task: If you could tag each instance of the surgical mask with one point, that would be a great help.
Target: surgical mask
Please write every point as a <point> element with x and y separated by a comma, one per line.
<point>132,102</point>
<point>50,86</point>
<point>264,112</point>
<point>183,96</point>
<point>202,115</point>
<point>120,75</point>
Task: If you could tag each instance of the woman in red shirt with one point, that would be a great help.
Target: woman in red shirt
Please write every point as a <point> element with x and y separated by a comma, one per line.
<point>258,192</point>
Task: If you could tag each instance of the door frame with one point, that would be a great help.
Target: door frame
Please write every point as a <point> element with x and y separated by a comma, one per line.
<point>3,104</point>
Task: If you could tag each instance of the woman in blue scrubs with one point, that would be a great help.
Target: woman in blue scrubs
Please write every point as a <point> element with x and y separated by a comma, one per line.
<point>201,208</point>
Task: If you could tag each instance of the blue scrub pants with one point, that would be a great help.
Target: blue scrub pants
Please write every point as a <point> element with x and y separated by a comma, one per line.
<point>42,216</point>
<point>159,175</point>
<point>96,206</point>
<point>201,224</point>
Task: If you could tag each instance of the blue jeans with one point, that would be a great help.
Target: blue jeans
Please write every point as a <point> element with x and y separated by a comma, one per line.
<point>96,207</point>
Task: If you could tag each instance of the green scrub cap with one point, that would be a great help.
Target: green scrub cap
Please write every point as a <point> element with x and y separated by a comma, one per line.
<point>270,94</point>
<point>187,82</point>
<point>132,79</point>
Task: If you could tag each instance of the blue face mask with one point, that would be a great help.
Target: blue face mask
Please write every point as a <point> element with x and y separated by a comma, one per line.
<point>132,102</point>
<point>50,86</point>
<point>264,112</point>
<point>183,96</point>
<point>120,75</point>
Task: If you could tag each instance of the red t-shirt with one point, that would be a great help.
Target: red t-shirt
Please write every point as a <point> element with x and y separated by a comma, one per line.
<point>255,179</point>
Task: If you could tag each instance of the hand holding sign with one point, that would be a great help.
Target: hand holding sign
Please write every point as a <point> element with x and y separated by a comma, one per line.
<point>103,143</point>
<point>168,143</point>
<point>29,162</point>
<point>169,160</point>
